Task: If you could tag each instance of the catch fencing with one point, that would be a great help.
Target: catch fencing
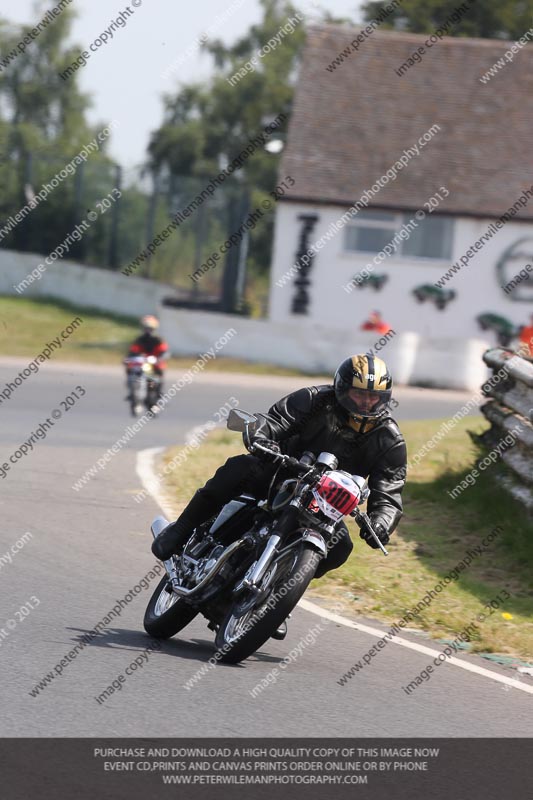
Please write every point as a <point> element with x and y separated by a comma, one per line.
<point>510,407</point>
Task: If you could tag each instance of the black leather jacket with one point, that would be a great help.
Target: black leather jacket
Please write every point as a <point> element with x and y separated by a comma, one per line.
<point>311,419</point>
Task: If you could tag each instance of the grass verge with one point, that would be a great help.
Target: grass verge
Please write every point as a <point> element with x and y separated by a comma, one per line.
<point>434,535</point>
<point>26,325</point>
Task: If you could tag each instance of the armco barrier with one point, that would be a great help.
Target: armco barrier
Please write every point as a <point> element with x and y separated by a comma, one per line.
<point>510,408</point>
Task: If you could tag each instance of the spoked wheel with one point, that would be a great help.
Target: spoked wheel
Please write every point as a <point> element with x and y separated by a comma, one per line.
<point>166,613</point>
<point>248,625</point>
<point>152,396</point>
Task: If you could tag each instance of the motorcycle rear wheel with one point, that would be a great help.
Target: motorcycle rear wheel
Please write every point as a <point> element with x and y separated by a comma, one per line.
<point>241,635</point>
<point>166,613</point>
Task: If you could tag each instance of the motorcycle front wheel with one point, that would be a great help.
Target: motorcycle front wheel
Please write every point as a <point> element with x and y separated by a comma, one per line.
<point>241,634</point>
<point>166,613</point>
<point>152,395</point>
<point>136,402</point>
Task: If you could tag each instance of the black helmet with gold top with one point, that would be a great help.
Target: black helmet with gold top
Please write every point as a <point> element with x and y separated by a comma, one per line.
<point>363,387</point>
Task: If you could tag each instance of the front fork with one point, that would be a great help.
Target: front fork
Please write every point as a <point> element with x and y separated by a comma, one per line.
<point>257,570</point>
<point>287,523</point>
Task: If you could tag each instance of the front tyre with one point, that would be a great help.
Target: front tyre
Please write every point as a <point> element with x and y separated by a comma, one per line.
<point>152,395</point>
<point>166,613</point>
<point>240,635</point>
<point>136,403</point>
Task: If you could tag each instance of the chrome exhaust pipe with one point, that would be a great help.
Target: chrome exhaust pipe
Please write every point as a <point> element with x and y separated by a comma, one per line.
<point>156,527</point>
<point>228,552</point>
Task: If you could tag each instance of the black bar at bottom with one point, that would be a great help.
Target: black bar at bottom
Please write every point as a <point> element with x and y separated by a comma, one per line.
<point>299,769</point>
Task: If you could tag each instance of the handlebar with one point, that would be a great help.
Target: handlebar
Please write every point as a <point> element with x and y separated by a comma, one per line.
<point>141,358</point>
<point>287,461</point>
<point>363,520</point>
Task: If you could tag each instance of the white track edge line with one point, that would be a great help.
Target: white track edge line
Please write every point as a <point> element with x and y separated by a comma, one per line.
<point>314,608</point>
<point>145,471</point>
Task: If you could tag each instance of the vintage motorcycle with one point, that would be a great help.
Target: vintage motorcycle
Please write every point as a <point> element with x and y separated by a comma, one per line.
<point>246,569</point>
<point>143,383</point>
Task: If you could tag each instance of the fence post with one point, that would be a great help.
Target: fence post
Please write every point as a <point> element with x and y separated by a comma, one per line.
<point>114,249</point>
<point>230,281</point>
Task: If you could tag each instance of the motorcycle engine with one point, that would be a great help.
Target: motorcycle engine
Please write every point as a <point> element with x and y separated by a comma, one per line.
<point>207,564</point>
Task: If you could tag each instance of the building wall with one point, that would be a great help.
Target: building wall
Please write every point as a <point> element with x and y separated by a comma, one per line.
<point>307,345</point>
<point>478,284</point>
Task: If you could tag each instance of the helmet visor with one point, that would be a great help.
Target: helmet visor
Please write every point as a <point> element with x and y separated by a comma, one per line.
<point>365,402</point>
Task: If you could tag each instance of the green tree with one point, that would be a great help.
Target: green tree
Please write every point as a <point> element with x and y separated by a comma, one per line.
<point>44,113</point>
<point>43,126</point>
<point>485,19</point>
<point>207,125</point>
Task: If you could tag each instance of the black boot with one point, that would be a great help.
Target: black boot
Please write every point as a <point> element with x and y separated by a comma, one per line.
<point>175,536</point>
<point>170,540</point>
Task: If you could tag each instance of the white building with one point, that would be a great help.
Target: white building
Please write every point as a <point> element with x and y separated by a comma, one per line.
<point>349,129</point>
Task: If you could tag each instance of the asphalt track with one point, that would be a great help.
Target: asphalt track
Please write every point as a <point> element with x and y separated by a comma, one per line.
<point>89,548</point>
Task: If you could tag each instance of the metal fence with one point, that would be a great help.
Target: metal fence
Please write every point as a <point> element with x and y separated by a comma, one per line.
<point>147,204</point>
<point>510,412</point>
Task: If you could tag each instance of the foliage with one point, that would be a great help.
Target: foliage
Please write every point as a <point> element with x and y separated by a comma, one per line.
<point>207,125</point>
<point>43,126</point>
<point>485,19</point>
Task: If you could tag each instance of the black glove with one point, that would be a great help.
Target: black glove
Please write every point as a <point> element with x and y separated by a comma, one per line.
<point>379,529</point>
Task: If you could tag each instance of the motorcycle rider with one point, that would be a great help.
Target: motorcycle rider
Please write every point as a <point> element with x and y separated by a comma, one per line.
<point>149,344</point>
<point>350,419</point>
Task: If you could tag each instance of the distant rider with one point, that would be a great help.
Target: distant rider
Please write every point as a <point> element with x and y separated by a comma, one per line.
<point>148,344</point>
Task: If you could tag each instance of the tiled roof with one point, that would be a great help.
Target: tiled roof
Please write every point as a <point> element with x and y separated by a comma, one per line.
<point>350,125</point>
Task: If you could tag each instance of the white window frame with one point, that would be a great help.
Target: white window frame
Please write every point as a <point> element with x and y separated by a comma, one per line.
<point>394,225</point>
